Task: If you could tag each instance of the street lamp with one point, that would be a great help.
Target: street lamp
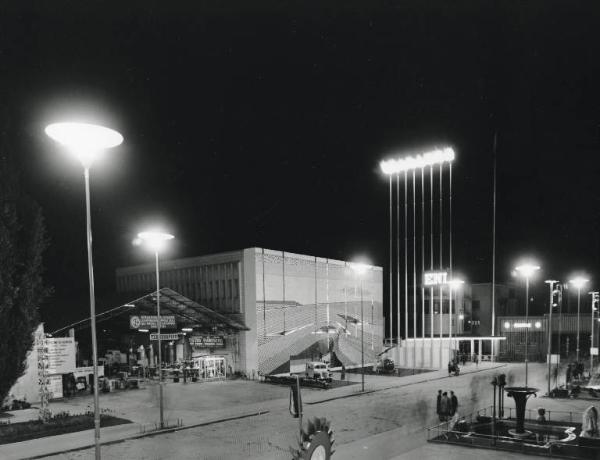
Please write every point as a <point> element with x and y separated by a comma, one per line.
<point>156,241</point>
<point>360,269</point>
<point>87,142</point>
<point>527,270</point>
<point>452,286</point>
<point>551,284</point>
<point>578,282</point>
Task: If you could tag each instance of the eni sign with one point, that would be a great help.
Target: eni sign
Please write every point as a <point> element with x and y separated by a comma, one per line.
<point>436,278</point>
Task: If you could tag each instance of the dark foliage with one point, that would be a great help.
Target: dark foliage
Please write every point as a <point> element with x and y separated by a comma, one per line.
<point>22,242</point>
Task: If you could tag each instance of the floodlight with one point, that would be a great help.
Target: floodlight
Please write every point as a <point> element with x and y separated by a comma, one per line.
<point>527,270</point>
<point>408,163</point>
<point>155,240</point>
<point>578,282</point>
<point>359,268</point>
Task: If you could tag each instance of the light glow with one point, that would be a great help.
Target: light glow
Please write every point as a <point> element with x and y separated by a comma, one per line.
<point>142,330</point>
<point>578,282</point>
<point>408,163</point>
<point>186,329</point>
<point>84,140</point>
<point>506,325</point>
<point>455,283</point>
<point>527,270</point>
<point>521,325</point>
<point>154,240</point>
<point>538,324</point>
<point>359,267</point>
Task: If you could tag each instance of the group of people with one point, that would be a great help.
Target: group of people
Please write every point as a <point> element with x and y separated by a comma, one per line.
<point>574,371</point>
<point>446,405</point>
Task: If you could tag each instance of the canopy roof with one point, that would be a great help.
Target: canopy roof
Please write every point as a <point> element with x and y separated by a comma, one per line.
<point>188,313</point>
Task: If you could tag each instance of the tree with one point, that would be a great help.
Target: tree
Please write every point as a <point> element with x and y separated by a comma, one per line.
<point>22,242</point>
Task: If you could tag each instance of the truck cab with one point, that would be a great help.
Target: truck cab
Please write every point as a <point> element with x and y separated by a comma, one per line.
<point>318,371</point>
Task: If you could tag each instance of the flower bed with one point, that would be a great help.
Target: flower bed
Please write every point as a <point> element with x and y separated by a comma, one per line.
<point>58,424</point>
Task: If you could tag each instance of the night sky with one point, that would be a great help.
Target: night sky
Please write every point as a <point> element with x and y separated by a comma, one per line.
<point>262,124</point>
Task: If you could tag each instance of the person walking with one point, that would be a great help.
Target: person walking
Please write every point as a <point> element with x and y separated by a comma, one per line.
<point>439,405</point>
<point>453,403</point>
<point>444,407</point>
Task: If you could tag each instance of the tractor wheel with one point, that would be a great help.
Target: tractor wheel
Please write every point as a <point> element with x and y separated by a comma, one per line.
<point>316,442</point>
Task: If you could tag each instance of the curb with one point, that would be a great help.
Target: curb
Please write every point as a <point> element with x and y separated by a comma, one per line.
<point>150,434</point>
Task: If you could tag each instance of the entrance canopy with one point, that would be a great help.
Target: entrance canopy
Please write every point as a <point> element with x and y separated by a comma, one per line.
<point>188,314</point>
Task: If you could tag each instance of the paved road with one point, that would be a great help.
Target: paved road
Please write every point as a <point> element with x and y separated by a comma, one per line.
<point>384,424</point>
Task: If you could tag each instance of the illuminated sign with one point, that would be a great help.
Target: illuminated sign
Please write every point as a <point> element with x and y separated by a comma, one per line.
<point>164,336</point>
<point>521,325</point>
<point>206,341</point>
<point>151,322</point>
<point>435,278</point>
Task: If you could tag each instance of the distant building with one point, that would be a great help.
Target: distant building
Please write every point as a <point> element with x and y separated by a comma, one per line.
<point>506,300</point>
<point>563,336</point>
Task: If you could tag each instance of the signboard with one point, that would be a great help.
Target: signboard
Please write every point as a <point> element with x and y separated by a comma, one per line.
<point>151,322</point>
<point>60,355</point>
<point>521,325</point>
<point>164,336</point>
<point>435,278</point>
<point>207,341</point>
<point>55,387</point>
<point>594,351</point>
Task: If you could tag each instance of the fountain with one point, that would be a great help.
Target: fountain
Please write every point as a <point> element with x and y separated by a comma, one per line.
<point>520,395</point>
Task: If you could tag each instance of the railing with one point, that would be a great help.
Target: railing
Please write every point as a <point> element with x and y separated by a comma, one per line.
<point>154,426</point>
<point>443,433</point>
<point>532,414</point>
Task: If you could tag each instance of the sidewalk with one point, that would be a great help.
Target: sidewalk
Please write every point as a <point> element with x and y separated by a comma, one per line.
<point>141,408</point>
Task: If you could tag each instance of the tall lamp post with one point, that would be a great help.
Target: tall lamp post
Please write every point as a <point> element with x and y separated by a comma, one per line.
<point>360,269</point>
<point>87,142</point>
<point>578,282</point>
<point>453,284</point>
<point>527,270</point>
<point>551,284</point>
<point>595,298</point>
<point>156,241</point>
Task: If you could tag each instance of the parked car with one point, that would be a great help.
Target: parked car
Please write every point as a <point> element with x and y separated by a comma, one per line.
<point>318,371</point>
